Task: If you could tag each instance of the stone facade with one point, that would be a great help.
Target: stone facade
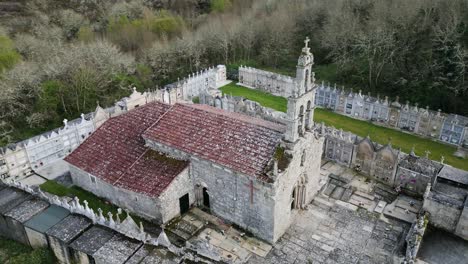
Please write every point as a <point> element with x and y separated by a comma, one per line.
<point>409,173</point>
<point>160,209</point>
<point>195,83</point>
<point>277,84</point>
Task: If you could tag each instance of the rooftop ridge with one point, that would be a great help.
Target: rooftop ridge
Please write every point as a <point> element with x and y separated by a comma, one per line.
<point>240,117</point>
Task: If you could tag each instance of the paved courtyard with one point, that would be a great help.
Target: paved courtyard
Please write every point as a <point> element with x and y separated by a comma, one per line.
<point>328,232</point>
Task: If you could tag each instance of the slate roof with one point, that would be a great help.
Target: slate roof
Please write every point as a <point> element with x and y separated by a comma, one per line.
<point>47,218</point>
<point>92,240</point>
<point>69,228</point>
<point>11,198</point>
<point>421,165</point>
<point>454,174</point>
<point>27,209</point>
<point>116,153</point>
<point>238,142</point>
<point>117,250</point>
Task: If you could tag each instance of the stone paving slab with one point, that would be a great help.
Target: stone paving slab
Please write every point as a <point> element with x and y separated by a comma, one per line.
<point>334,234</point>
<point>337,193</point>
<point>380,207</point>
<point>330,188</point>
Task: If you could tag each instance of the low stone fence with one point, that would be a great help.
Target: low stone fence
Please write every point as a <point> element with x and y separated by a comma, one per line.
<point>414,238</point>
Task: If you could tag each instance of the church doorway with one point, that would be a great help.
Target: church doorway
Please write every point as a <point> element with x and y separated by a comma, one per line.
<point>206,198</point>
<point>184,204</point>
<point>298,195</point>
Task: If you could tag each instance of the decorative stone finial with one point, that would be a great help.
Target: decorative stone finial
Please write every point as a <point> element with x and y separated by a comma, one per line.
<point>442,159</point>
<point>427,152</point>
<point>65,122</point>
<point>111,220</point>
<point>412,151</point>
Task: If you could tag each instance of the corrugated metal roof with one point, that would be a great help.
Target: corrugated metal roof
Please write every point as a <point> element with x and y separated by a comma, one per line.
<point>47,219</point>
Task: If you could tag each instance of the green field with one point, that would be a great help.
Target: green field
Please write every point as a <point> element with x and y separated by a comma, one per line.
<point>379,134</point>
<point>268,100</point>
<point>12,252</point>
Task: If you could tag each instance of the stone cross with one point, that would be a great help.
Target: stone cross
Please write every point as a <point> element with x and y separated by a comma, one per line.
<point>251,186</point>
<point>306,41</point>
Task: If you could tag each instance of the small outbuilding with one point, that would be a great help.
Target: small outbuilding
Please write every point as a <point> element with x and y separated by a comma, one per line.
<point>85,247</point>
<point>117,250</point>
<point>160,255</point>
<point>64,233</point>
<point>9,199</point>
<point>37,226</point>
<point>16,217</point>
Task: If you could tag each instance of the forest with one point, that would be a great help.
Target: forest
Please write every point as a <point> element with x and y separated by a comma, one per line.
<point>61,58</point>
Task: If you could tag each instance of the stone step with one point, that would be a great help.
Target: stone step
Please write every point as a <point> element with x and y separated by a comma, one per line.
<point>347,205</point>
<point>347,194</point>
<point>364,195</point>
<point>330,188</point>
<point>322,202</point>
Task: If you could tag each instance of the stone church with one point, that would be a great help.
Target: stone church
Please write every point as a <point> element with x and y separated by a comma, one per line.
<point>159,160</point>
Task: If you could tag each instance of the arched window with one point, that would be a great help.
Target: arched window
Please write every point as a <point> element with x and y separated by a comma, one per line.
<point>306,80</point>
<point>309,117</point>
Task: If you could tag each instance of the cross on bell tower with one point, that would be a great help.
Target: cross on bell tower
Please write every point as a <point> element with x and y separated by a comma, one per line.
<point>306,42</point>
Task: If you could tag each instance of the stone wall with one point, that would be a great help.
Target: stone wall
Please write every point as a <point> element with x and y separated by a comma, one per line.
<point>448,128</point>
<point>195,83</point>
<point>230,193</point>
<point>462,225</point>
<point>169,199</point>
<point>277,84</point>
<point>243,106</point>
<point>302,175</point>
<point>141,205</point>
<point>444,211</point>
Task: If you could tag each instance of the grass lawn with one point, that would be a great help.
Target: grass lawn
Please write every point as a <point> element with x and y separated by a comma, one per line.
<point>94,202</point>
<point>268,100</point>
<point>12,252</point>
<point>379,134</point>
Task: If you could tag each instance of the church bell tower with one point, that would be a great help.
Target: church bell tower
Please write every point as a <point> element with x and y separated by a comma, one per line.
<point>301,102</point>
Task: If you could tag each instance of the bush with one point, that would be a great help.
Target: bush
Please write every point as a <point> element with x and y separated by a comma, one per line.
<point>220,5</point>
<point>8,56</point>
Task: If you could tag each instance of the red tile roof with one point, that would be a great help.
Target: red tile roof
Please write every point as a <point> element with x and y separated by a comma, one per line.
<point>238,142</point>
<point>116,153</point>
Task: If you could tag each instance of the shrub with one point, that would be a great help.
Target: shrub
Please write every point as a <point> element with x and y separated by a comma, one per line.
<point>8,55</point>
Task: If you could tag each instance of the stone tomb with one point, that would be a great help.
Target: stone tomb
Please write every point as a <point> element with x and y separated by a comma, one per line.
<point>37,226</point>
<point>19,215</point>
<point>160,256</point>
<point>9,199</point>
<point>64,233</point>
<point>117,250</point>
<point>85,247</point>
